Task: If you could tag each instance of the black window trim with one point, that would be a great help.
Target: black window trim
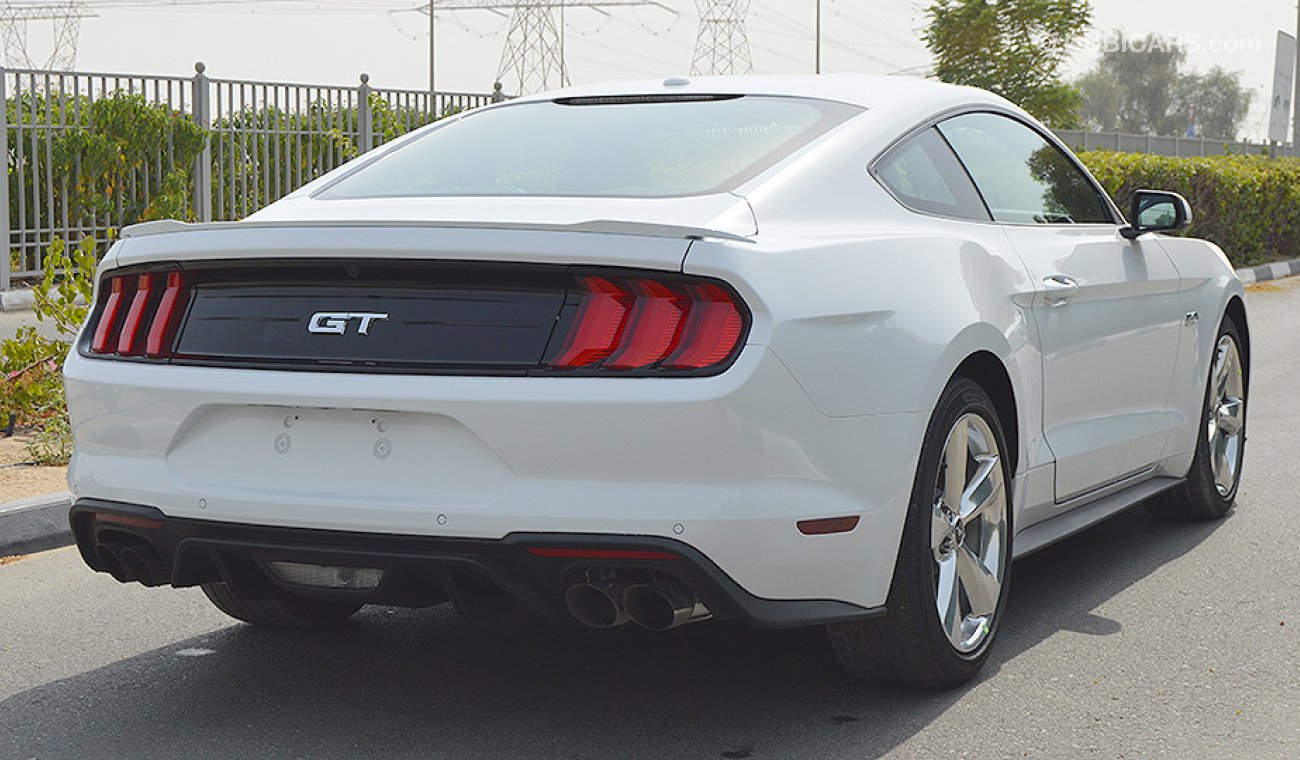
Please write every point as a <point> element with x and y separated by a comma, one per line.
<point>936,119</point>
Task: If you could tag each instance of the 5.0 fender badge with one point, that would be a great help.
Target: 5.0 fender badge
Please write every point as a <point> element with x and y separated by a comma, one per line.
<point>336,322</point>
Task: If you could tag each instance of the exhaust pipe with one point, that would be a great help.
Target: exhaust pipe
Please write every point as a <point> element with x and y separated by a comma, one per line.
<point>662,605</point>
<point>109,555</point>
<point>144,565</point>
<point>597,604</point>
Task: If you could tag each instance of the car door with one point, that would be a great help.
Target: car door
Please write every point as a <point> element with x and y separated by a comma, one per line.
<point>1108,312</point>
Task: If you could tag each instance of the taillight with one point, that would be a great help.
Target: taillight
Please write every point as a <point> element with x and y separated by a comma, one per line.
<point>128,342</point>
<point>649,326</point>
<point>168,317</point>
<point>105,331</point>
<point>599,325</point>
<point>712,330</point>
<point>140,315</point>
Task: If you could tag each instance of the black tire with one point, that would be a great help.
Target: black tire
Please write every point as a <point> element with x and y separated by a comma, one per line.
<point>908,645</point>
<point>1198,498</point>
<point>280,611</point>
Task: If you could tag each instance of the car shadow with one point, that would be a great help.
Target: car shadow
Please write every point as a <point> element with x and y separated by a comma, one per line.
<point>423,683</point>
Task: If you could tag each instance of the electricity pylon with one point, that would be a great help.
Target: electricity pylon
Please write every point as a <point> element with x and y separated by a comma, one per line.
<point>722,46</point>
<point>66,16</point>
<point>533,57</point>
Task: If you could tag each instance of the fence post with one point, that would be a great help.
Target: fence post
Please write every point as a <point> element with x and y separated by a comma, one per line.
<point>365,119</point>
<point>203,162</point>
<point>5,272</point>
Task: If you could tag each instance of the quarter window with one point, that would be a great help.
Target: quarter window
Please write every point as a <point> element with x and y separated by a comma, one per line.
<point>1022,177</point>
<point>925,176</point>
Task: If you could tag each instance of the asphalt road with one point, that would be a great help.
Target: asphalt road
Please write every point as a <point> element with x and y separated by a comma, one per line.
<point>1135,639</point>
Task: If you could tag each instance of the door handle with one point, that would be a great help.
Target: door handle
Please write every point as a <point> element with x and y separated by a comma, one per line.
<point>1059,289</point>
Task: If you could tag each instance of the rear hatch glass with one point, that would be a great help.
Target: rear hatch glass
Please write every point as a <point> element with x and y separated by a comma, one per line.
<point>632,147</point>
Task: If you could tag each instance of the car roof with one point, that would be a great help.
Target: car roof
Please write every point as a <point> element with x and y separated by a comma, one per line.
<point>868,91</point>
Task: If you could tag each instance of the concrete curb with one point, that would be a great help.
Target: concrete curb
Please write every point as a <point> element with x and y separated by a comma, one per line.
<point>35,524</point>
<point>1274,271</point>
<point>17,300</point>
<point>24,299</point>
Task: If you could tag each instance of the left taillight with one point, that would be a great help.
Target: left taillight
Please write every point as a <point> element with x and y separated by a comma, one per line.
<point>139,314</point>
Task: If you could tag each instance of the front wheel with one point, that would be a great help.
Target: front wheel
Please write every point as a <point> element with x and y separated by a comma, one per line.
<point>1211,485</point>
<point>950,580</point>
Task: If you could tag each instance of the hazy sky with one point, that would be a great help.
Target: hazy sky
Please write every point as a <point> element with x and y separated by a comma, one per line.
<point>333,41</point>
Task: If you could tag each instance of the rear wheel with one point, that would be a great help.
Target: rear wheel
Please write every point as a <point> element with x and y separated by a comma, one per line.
<point>279,611</point>
<point>1211,485</point>
<point>950,580</point>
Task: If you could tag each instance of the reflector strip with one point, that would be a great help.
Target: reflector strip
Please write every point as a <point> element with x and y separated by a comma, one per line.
<point>828,525</point>
<point>546,551</point>
<point>126,342</point>
<point>134,522</point>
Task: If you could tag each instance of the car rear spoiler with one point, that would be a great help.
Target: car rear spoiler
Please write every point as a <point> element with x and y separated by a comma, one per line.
<point>596,226</point>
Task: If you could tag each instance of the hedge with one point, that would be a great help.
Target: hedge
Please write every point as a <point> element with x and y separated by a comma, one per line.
<point>1248,205</point>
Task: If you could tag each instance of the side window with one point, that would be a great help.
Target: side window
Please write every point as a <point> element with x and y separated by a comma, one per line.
<point>925,176</point>
<point>1023,178</point>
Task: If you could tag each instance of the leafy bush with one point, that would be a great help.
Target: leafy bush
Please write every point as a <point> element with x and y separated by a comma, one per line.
<point>32,364</point>
<point>260,153</point>
<point>118,160</point>
<point>121,159</point>
<point>1248,205</point>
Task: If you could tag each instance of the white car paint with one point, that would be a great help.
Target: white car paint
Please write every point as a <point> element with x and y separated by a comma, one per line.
<point>862,311</point>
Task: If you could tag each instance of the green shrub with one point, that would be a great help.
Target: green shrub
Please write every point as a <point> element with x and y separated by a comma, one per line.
<point>118,159</point>
<point>1248,205</point>
<point>32,364</point>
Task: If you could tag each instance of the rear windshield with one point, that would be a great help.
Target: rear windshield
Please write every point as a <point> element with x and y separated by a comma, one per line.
<point>609,147</point>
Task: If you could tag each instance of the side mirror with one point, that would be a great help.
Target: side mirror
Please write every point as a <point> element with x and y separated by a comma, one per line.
<point>1157,211</point>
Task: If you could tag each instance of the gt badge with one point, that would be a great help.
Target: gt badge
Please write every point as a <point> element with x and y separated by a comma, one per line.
<point>336,322</point>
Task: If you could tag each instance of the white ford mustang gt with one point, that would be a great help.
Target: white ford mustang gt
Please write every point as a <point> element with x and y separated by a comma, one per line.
<point>793,351</point>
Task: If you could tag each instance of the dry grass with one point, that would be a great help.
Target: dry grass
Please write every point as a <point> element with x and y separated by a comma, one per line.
<point>19,480</point>
<point>1284,285</point>
<point>10,560</point>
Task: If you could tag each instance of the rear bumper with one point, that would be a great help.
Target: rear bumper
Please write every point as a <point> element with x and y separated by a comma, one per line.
<point>422,570</point>
<point>727,465</point>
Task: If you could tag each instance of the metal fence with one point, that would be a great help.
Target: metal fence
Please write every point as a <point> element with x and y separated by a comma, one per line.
<point>205,148</point>
<point>1182,147</point>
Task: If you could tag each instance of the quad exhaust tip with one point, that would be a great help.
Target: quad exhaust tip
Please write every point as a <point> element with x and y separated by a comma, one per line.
<point>110,558</point>
<point>662,605</point>
<point>129,561</point>
<point>597,604</point>
<point>659,605</point>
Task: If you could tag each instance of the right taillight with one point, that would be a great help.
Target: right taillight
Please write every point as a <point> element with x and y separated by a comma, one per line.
<point>140,314</point>
<point>647,326</point>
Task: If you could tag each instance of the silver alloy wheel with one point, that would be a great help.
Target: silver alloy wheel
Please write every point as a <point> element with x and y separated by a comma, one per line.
<point>968,533</point>
<point>1227,415</point>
